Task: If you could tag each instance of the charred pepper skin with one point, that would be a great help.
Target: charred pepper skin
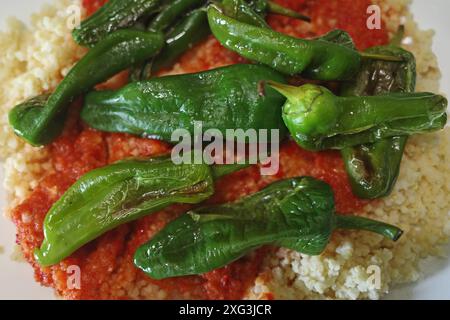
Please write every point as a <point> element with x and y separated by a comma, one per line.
<point>298,214</point>
<point>114,15</point>
<point>320,60</point>
<point>373,169</point>
<point>224,98</point>
<point>40,120</point>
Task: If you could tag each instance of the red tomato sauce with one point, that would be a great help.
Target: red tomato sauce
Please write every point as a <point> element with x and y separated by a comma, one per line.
<point>107,270</point>
<point>92,5</point>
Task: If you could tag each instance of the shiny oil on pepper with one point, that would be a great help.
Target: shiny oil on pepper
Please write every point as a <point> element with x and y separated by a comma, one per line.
<point>297,214</point>
<point>41,119</point>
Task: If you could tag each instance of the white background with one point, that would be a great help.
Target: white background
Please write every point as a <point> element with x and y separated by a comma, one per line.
<point>16,279</point>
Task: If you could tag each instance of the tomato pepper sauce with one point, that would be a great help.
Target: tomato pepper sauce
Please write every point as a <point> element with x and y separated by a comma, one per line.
<point>106,264</point>
<point>91,6</point>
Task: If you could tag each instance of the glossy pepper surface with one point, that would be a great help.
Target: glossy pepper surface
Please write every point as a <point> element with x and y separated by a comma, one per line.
<point>224,98</point>
<point>297,214</point>
<point>373,169</point>
<point>190,31</point>
<point>40,120</point>
<point>319,120</point>
<point>116,194</point>
<point>114,15</point>
<point>321,60</point>
<point>194,28</point>
<point>242,11</point>
<point>172,12</point>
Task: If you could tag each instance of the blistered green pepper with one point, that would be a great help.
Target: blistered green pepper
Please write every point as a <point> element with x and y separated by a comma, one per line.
<point>373,169</point>
<point>319,120</point>
<point>179,36</point>
<point>172,12</point>
<point>241,10</point>
<point>40,120</point>
<point>261,7</point>
<point>313,59</point>
<point>190,31</point>
<point>235,8</point>
<point>231,97</point>
<point>194,27</point>
<point>298,214</point>
<point>275,8</point>
<point>113,195</point>
<point>114,15</point>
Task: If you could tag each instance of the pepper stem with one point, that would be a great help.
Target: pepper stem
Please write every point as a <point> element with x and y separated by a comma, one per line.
<point>275,8</point>
<point>398,36</point>
<point>361,223</point>
<point>286,90</point>
<point>381,57</point>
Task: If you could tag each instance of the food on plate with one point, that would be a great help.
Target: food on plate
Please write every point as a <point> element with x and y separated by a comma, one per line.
<point>194,27</point>
<point>223,98</point>
<point>320,120</point>
<point>41,119</point>
<point>298,214</point>
<point>373,169</point>
<point>172,12</point>
<point>113,195</point>
<point>112,16</point>
<point>318,59</point>
<point>104,195</point>
<point>191,30</point>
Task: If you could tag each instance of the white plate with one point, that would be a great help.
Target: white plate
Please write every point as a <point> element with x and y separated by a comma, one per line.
<point>16,279</point>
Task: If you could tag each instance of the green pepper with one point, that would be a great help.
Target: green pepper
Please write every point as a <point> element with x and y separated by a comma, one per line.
<point>259,6</point>
<point>381,77</point>
<point>235,8</point>
<point>298,214</point>
<point>194,28</point>
<point>224,98</point>
<point>338,36</point>
<point>114,15</point>
<point>373,169</point>
<point>172,12</point>
<point>116,194</point>
<point>319,120</point>
<point>242,11</point>
<point>190,31</point>
<point>40,120</point>
<point>255,11</point>
<point>275,8</point>
<point>263,7</point>
<point>314,59</point>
